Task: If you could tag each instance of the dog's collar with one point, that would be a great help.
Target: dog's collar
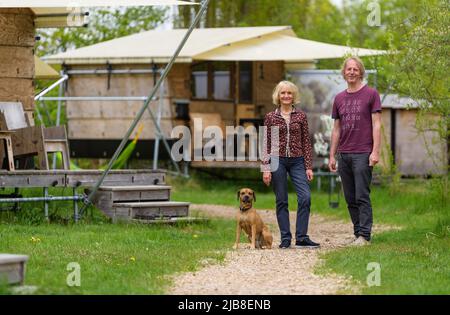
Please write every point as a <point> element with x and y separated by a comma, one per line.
<point>245,208</point>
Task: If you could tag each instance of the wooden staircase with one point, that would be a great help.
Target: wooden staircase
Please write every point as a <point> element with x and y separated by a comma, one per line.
<point>141,203</point>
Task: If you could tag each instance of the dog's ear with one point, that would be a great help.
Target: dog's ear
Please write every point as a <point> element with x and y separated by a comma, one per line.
<point>254,196</point>
<point>238,193</point>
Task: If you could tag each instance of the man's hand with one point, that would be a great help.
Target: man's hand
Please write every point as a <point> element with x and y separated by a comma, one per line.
<point>332,164</point>
<point>374,159</point>
<point>267,177</point>
<point>309,175</point>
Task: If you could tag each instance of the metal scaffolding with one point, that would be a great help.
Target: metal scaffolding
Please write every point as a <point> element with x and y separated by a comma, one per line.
<point>159,85</point>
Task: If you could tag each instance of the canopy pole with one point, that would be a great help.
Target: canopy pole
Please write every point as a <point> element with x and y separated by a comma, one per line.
<point>51,87</point>
<point>158,126</point>
<point>88,200</point>
<point>160,135</point>
<point>38,112</point>
<point>58,114</point>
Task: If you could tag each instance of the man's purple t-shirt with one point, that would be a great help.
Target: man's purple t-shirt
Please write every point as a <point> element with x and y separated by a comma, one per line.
<point>354,110</point>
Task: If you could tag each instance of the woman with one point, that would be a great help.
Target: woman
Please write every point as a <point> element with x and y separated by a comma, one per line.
<point>290,152</point>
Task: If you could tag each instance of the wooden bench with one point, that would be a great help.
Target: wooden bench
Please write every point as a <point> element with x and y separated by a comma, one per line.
<point>12,268</point>
<point>28,140</point>
<point>6,137</point>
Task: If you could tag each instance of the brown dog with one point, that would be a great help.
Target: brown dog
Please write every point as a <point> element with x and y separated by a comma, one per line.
<point>249,220</point>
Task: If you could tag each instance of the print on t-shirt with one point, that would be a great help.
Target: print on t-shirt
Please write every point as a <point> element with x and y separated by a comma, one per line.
<point>354,110</point>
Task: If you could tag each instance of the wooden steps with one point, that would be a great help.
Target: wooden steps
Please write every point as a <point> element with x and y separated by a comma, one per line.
<point>141,203</point>
<point>172,220</point>
<point>136,193</point>
<point>150,210</point>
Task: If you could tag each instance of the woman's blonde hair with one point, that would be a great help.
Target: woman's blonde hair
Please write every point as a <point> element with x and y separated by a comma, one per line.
<point>291,86</point>
<point>358,61</point>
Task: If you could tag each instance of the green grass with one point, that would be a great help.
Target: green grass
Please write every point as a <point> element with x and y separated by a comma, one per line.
<point>413,260</point>
<point>410,263</point>
<point>114,258</point>
<point>138,259</point>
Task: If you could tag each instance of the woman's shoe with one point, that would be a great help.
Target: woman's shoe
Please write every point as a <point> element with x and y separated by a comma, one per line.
<point>306,243</point>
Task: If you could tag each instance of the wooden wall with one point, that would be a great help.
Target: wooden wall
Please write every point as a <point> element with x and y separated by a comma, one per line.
<point>411,155</point>
<point>266,75</point>
<point>111,120</point>
<point>264,81</point>
<point>17,39</point>
<point>225,109</point>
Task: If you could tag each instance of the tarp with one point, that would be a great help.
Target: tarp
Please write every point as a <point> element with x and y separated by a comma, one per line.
<point>43,70</point>
<point>234,44</point>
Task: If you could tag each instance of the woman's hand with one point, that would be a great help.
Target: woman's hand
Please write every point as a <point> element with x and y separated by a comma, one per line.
<point>309,175</point>
<point>267,177</point>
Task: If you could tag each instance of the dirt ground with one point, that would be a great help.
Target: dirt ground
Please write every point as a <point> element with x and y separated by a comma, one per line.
<point>273,271</point>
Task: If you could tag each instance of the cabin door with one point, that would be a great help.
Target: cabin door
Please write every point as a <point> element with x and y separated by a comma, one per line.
<point>245,108</point>
<point>244,112</point>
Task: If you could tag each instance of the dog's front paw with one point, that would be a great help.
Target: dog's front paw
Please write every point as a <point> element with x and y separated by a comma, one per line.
<point>235,246</point>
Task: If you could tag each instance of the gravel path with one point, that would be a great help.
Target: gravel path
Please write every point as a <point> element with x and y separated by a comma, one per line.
<point>274,271</point>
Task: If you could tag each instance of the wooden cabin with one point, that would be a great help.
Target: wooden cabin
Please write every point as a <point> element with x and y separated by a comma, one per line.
<point>224,75</point>
<point>17,40</point>
<point>18,65</point>
<point>414,153</point>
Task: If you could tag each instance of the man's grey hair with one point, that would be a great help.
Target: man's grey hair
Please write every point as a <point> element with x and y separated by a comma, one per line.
<point>358,61</point>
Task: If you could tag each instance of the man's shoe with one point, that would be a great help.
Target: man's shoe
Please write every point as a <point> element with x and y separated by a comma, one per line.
<point>306,243</point>
<point>285,244</point>
<point>352,240</point>
<point>360,241</point>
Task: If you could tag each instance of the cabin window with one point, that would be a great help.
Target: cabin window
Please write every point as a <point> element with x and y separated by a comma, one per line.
<point>222,81</point>
<point>200,81</point>
<point>245,82</point>
<point>212,81</point>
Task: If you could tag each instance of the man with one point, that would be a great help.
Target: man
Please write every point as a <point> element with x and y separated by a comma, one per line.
<point>356,139</point>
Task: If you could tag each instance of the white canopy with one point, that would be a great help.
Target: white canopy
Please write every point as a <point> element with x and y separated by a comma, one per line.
<point>233,44</point>
<point>43,70</point>
<point>282,47</point>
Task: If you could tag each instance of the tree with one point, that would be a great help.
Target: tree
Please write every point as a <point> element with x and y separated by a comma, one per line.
<point>104,24</point>
<point>420,68</point>
<point>259,13</point>
<point>317,20</point>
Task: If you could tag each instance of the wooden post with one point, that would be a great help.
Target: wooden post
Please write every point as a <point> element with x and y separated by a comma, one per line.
<point>46,203</point>
<point>75,206</point>
<point>6,136</point>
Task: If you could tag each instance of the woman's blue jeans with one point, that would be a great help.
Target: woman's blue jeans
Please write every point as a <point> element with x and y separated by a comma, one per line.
<point>295,167</point>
